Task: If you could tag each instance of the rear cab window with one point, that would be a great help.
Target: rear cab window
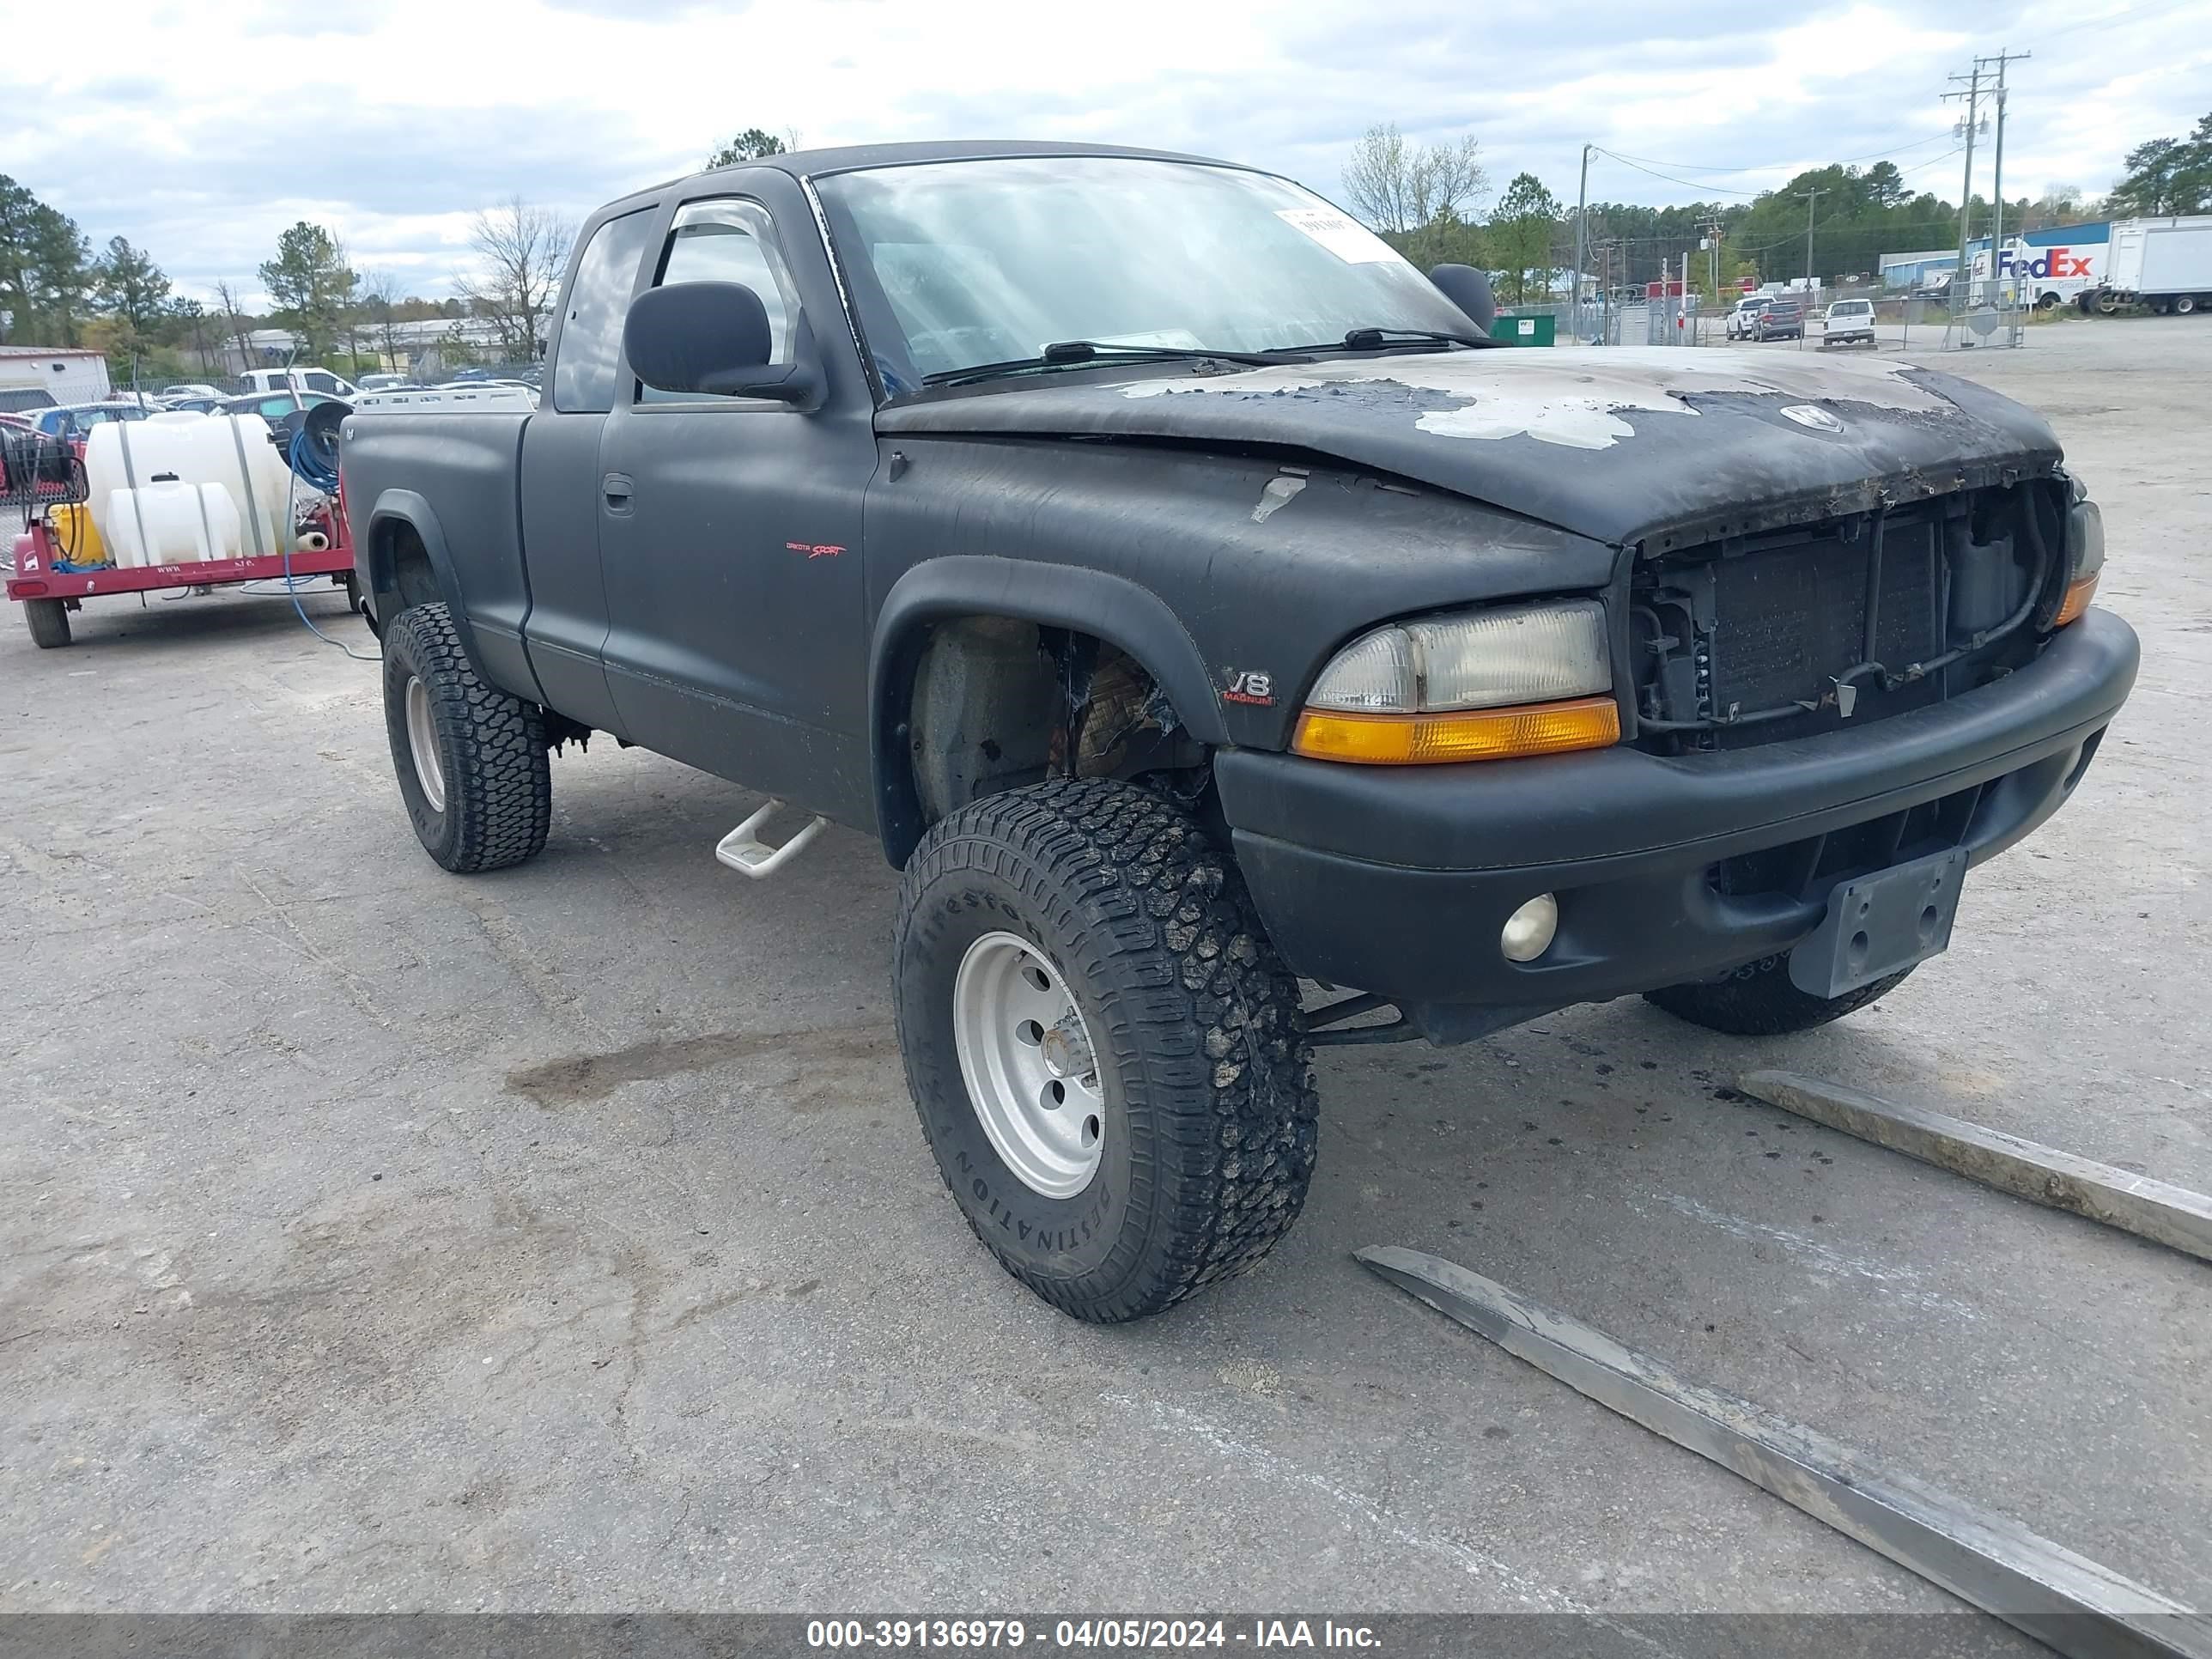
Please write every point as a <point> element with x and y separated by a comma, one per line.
<point>598,299</point>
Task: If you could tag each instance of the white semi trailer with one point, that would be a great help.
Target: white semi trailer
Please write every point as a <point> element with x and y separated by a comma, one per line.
<point>2165,264</point>
<point>2043,275</point>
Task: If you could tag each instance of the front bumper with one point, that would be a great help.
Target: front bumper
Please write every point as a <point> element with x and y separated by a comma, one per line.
<point>1397,881</point>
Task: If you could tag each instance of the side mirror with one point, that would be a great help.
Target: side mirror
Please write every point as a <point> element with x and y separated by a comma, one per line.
<point>714,338</point>
<point>1469,289</point>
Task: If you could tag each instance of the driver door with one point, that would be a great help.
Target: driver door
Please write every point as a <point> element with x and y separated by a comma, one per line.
<point>730,532</point>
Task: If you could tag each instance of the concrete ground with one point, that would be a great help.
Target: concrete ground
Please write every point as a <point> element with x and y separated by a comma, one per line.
<point>323,1286</point>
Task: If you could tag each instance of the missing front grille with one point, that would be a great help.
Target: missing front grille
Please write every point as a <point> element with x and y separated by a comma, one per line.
<point>1759,640</point>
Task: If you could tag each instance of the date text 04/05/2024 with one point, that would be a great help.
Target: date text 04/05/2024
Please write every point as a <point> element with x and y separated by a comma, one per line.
<point>1079,1635</point>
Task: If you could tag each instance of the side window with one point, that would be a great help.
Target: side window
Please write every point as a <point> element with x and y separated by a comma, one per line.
<point>598,299</point>
<point>322,383</point>
<point>728,240</point>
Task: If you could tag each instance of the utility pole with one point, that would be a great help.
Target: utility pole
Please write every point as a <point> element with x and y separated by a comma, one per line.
<point>1960,280</point>
<point>1603,248</point>
<point>1581,240</point>
<point>1996,182</point>
<point>1712,230</point>
<point>1811,197</point>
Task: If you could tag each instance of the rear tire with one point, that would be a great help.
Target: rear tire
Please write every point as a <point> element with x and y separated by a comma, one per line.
<point>48,621</point>
<point>1758,999</point>
<point>2185,306</point>
<point>1201,1077</point>
<point>470,758</point>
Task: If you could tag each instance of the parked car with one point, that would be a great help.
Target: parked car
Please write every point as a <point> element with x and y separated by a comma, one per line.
<point>190,389</point>
<point>1743,316</point>
<point>1783,318</point>
<point>384,382</point>
<point>302,380</point>
<point>73,422</point>
<point>512,374</point>
<point>271,406</point>
<point>1848,322</point>
<point>1206,603</point>
<point>196,405</point>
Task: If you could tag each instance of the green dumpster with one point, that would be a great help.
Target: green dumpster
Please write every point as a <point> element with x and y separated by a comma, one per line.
<point>1537,330</point>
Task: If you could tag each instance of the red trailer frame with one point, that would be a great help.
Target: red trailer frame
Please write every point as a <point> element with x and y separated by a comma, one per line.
<point>35,578</point>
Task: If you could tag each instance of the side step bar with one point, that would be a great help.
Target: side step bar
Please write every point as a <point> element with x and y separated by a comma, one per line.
<point>744,852</point>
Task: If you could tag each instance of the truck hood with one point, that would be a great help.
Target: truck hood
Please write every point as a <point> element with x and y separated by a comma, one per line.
<point>1666,447</point>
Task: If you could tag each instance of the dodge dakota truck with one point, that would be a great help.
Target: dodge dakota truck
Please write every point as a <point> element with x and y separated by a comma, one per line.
<point>1193,602</point>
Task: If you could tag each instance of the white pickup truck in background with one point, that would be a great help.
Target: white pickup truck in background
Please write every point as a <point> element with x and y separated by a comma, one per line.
<point>1743,317</point>
<point>1849,322</point>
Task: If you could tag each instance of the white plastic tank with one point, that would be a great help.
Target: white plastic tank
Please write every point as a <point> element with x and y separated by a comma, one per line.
<point>172,522</point>
<point>232,450</point>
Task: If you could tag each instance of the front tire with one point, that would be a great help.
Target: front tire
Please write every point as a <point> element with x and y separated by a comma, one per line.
<point>1759,1000</point>
<point>1124,940</point>
<point>470,758</point>
<point>48,621</point>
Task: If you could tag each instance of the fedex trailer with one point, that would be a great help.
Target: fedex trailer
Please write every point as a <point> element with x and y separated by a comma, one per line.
<point>2046,274</point>
<point>2163,264</point>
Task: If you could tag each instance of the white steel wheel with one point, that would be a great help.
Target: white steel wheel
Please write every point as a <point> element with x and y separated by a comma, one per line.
<point>1027,1058</point>
<point>422,745</point>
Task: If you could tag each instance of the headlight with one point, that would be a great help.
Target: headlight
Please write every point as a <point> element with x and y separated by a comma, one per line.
<point>1526,680</point>
<point>2085,556</point>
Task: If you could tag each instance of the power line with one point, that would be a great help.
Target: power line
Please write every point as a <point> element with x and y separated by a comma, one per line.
<point>1748,195</point>
<point>2116,16</point>
<point>1770,167</point>
<point>1687,184</point>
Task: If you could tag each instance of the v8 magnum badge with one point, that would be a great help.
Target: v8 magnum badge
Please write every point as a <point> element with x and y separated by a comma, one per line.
<point>1247,686</point>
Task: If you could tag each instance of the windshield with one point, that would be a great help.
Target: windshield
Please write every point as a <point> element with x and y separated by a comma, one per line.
<point>958,264</point>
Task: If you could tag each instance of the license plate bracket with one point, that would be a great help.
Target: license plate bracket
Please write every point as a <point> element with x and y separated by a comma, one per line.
<point>1880,924</point>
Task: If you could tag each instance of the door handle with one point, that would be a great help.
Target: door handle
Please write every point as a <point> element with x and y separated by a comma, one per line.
<point>617,488</point>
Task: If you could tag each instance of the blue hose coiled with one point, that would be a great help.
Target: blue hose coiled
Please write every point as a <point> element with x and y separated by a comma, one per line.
<point>311,468</point>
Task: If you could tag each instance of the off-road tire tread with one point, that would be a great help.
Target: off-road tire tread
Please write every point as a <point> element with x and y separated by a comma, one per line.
<point>1121,872</point>
<point>48,621</point>
<point>1758,999</point>
<point>500,793</point>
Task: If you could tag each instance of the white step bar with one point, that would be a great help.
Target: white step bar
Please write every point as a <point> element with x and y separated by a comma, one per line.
<point>744,852</point>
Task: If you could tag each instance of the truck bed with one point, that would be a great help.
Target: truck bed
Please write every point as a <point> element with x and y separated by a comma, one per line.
<point>467,467</point>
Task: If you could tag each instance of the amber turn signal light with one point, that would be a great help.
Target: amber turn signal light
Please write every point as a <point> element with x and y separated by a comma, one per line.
<point>2079,592</point>
<point>1467,734</point>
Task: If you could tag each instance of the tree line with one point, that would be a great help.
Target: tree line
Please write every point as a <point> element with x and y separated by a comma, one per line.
<point>1427,202</point>
<point>56,291</point>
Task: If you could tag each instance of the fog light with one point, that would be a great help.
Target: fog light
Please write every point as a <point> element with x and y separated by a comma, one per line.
<point>1529,930</point>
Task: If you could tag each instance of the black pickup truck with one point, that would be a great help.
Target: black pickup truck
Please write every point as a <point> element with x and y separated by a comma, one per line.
<point>1191,600</point>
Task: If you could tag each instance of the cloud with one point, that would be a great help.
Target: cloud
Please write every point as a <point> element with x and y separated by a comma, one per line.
<point>392,120</point>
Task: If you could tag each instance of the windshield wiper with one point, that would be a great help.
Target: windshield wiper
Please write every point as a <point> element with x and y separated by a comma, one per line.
<point>1075,354</point>
<point>1374,339</point>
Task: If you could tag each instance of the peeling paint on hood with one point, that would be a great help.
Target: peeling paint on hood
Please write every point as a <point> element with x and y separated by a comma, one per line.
<point>1578,403</point>
<point>1662,445</point>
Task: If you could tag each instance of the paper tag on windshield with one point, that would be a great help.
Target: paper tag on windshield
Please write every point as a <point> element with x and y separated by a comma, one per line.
<point>1341,233</point>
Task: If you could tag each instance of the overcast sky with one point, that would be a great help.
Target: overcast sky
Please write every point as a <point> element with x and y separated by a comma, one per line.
<point>200,131</point>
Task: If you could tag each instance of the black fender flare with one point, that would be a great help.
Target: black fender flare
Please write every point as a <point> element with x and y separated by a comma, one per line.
<point>375,563</point>
<point>1132,619</point>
